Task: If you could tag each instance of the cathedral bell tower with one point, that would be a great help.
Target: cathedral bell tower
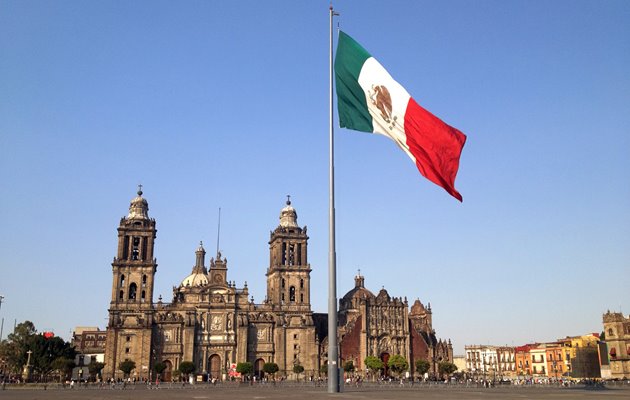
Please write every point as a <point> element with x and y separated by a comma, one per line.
<point>288,276</point>
<point>129,330</point>
<point>134,266</point>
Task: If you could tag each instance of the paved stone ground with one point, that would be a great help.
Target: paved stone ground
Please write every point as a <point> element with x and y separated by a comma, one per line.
<point>260,392</point>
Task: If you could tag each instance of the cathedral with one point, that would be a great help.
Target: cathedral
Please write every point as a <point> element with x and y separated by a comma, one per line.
<point>216,325</point>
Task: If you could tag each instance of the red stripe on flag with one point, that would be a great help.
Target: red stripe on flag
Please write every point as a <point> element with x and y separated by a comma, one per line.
<point>435,145</point>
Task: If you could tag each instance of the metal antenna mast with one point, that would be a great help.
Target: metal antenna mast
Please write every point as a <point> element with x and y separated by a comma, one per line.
<point>218,231</point>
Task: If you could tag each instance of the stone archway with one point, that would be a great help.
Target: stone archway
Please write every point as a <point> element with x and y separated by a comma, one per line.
<point>215,366</point>
<point>167,374</point>
<point>258,368</point>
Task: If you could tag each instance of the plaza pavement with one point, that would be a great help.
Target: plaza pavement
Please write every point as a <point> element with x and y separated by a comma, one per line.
<point>309,392</point>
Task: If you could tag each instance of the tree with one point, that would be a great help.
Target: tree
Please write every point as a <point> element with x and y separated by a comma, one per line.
<point>13,350</point>
<point>348,366</point>
<point>446,368</point>
<point>397,364</point>
<point>126,367</point>
<point>422,367</point>
<point>159,367</point>
<point>44,350</point>
<point>270,368</point>
<point>95,368</point>
<point>323,369</point>
<point>245,368</point>
<point>373,364</point>
<point>298,369</point>
<point>63,366</point>
<point>176,375</point>
<point>186,368</point>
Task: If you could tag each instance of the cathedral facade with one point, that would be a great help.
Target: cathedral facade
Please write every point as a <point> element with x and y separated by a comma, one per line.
<point>216,325</point>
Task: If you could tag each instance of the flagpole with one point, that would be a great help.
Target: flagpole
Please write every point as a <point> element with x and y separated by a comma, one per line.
<point>333,356</point>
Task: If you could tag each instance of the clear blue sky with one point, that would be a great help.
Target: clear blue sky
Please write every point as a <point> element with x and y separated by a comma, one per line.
<point>214,104</point>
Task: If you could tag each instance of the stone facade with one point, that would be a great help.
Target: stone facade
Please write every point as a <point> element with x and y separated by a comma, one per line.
<point>210,321</point>
<point>617,333</point>
<point>383,326</point>
<point>215,325</point>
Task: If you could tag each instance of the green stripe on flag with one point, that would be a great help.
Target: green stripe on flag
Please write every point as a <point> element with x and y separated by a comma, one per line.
<point>351,101</point>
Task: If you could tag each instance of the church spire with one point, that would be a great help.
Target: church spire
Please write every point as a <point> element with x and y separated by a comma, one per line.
<point>201,256</point>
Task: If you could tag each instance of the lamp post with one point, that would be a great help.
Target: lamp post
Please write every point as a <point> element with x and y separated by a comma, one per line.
<point>1,326</point>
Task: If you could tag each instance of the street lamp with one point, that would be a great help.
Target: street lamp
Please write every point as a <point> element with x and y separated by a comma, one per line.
<point>1,326</point>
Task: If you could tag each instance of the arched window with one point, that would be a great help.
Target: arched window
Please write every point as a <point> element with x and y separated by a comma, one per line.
<point>301,297</point>
<point>122,280</point>
<point>283,283</point>
<point>121,295</point>
<point>613,352</point>
<point>132,291</point>
<point>135,251</point>
<point>292,294</point>
<point>610,332</point>
<point>143,296</point>
<point>301,283</point>
<point>144,280</point>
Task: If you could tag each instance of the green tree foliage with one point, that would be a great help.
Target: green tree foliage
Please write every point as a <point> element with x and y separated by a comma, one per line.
<point>270,368</point>
<point>186,368</point>
<point>13,349</point>
<point>397,364</point>
<point>348,366</point>
<point>323,369</point>
<point>159,367</point>
<point>63,366</point>
<point>245,368</point>
<point>422,366</point>
<point>127,366</point>
<point>176,375</point>
<point>95,368</point>
<point>446,368</point>
<point>44,351</point>
<point>298,369</point>
<point>373,364</point>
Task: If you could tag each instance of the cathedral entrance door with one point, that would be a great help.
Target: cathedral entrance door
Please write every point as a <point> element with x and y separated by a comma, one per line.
<point>258,368</point>
<point>215,366</point>
<point>167,374</point>
<point>385,359</point>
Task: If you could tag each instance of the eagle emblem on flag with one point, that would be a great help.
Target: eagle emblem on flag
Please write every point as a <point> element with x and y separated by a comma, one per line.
<point>382,100</point>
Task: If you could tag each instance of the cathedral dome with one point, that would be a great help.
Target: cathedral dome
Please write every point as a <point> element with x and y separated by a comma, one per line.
<point>195,279</point>
<point>199,274</point>
<point>139,207</point>
<point>288,216</point>
<point>359,291</point>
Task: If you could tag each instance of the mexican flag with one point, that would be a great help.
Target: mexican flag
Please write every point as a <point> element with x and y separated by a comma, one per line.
<point>370,100</point>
